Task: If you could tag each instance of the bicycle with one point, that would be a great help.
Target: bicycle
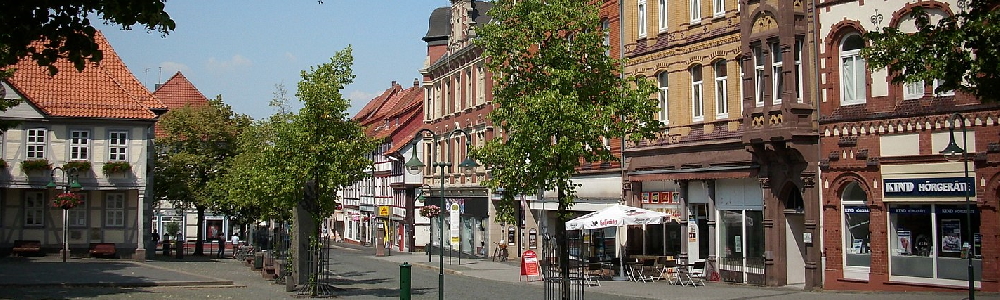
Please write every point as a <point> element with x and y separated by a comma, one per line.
<point>500,252</point>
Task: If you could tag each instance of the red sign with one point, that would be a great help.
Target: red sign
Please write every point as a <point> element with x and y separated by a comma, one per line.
<point>529,264</point>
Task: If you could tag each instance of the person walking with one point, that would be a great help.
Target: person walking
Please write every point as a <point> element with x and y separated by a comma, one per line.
<point>222,244</point>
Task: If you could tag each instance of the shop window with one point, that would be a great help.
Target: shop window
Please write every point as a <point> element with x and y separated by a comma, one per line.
<point>932,241</point>
<point>857,236</point>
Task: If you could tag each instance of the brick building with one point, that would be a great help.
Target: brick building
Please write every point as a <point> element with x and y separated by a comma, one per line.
<point>887,223</point>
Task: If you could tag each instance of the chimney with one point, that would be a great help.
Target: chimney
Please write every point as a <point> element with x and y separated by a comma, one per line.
<point>393,83</point>
<point>416,82</point>
<point>157,86</point>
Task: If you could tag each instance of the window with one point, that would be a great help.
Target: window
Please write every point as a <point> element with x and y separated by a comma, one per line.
<point>114,210</point>
<point>697,104</point>
<point>798,70</point>
<point>721,104</point>
<point>857,236</point>
<point>664,97</point>
<point>663,15</point>
<point>36,143</point>
<point>758,76</point>
<point>937,82</point>
<point>719,7</point>
<point>695,11</point>
<point>852,70</point>
<point>79,145</point>
<point>78,215</point>
<point>34,208</point>
<point>930,241</point>
<point>913,90</point>
<point>605,31</point>
<point>118,146</point>
<point>778,84</point>
<point>641,18</point>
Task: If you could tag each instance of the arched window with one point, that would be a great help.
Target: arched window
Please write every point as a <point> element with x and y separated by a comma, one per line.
<point>852,70</point>
<point>664,94</point>
<point>857,237</point>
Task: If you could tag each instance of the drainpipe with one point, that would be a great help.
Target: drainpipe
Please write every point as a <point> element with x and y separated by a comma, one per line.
<point>819,150</point>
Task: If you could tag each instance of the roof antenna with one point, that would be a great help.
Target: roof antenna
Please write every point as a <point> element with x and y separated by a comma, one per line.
<point>159,75</point>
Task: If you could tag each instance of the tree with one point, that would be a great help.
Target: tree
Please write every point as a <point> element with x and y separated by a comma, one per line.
<point>557,96</point>
<point>959,50</point>
<point>197,142</point>
<point>66,32</point>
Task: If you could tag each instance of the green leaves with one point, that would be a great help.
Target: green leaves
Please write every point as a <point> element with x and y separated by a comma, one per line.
<point>557,96</point>
<point>959,50</point>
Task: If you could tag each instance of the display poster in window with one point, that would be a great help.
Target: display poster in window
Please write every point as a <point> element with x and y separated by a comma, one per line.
<point>511,235</point>
<point>645,197</point>
<point>654,197</point>
<point>856,246</point>
<point>738,244</point>
<point>532,238</point>
<point>667,197</point>
<point>951,235</point>
<point>903,245</point>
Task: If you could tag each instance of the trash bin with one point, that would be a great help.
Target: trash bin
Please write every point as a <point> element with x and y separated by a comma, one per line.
<point>258,260</point>
<point>166,248</point>
<point>180,249</point>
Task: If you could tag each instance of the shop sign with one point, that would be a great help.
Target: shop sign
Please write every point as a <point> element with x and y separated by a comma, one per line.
<point>929,187</point>
<point>856,209</point>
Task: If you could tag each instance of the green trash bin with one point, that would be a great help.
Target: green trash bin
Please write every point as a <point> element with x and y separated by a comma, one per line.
<point>258,260</point>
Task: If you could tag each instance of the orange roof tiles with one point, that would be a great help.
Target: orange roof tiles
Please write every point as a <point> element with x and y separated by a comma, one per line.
<point>104,90</point>
<point>178,91</point>
<point>395,115</point>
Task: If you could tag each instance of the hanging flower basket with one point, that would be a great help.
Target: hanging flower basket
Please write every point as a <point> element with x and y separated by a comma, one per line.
<point>430,211</point>
<point>115,167</point>
<point>67,201</point>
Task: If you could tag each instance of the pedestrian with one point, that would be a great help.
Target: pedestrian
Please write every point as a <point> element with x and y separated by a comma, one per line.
<point>222,244</point>
<point>156,238</point>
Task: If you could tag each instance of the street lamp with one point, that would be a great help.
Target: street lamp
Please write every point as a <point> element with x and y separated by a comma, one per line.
<point>415,166</point>
<point>952,152</point>
<point>72,185</point>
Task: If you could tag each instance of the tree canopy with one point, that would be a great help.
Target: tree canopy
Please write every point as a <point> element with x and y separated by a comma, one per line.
<point>959,50</point>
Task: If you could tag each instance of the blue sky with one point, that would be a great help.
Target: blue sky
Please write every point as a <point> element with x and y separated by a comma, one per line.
<point>241,49</point>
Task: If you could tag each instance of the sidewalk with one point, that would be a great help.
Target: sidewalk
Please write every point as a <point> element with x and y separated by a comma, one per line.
<point>88,272</point>
<point>510,272</point>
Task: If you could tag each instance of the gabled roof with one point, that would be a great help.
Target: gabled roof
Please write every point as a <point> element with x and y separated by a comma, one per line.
<point>178,92</point>
<point>394,116</point>
<point>103,90</point>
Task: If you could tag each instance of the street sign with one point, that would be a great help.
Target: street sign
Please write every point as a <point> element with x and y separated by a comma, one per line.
<point>383,211</point>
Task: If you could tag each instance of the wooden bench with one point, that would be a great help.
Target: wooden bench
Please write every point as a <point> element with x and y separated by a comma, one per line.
<point>103,249</point>
<point>22,247</point>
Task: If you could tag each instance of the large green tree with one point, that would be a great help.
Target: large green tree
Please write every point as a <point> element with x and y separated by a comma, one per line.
<point>960,50</point>
<point>557,95</point>
<point>192,152</point>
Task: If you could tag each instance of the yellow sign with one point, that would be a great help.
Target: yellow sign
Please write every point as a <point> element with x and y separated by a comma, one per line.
<point>383,211</point>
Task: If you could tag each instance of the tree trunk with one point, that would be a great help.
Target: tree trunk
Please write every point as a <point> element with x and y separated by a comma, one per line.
<point>564,292</point>
<point>199,245</point>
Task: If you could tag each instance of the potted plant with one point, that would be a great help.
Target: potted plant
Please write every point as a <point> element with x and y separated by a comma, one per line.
<point>31,165</point>
<point>171,229</point>
<point>80,165</point>
<point>115,167</point>
<point>67,201</point>
<point>3,164</point>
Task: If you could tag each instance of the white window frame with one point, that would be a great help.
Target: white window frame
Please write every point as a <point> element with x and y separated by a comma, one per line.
<point>937,82</point>
<point>853,58</point>
<point>641,17</point>
<point>36,142</point>
<point>695,8</point>
<point>848,270</point>
<point>718,8</point>
<point>79,145</point>
<point>913,90</point>
<point>777,73</point>
<point>77,216</point>
<point>34,209</point>
<point>758,78</point>
<point>799,80</point>
<point>662,8</point>
<point>664,80</point>
<point>606,38</point>
<point>697,94</point>
<point>114,210</point>
<point>118,145</point>
<point>721,91</point>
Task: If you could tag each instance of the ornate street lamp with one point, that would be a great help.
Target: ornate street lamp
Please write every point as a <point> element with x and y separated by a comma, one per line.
<point>954,152</point>
<point>415,166</point>
<point>72,185</point>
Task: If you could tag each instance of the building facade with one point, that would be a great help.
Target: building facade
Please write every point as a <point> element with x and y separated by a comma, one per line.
<point>894,209</point>
<point>78,121</point>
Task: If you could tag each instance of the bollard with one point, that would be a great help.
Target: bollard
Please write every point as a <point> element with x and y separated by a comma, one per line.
<point>428,248</point>
<point>179,249</point>
<point>404,281</point>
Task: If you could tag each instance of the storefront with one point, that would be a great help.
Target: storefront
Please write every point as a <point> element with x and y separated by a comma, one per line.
<point>740,205</point>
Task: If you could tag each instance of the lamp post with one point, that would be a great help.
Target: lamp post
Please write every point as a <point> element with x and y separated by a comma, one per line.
<point>951,152</point>
<point>415,166</point>
<point>72,185</point>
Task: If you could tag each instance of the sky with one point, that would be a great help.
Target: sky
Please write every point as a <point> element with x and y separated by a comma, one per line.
<point>242,49</point>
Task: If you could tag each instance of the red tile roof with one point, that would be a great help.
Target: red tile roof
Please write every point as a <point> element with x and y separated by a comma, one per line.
<point>104,90</point>
<point>178,92</point>
<point>395,115</point>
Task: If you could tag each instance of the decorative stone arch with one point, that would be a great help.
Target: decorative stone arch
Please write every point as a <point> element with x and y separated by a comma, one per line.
<point>763,20</point>
<point>991,193</point>
<point>790,196</point>
<point>842,181</point>
<point>832,57</point>
<point>899,14</point>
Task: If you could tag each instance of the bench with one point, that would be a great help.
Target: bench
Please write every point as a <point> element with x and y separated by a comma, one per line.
<point>22,247</point>
<point>103,249</point>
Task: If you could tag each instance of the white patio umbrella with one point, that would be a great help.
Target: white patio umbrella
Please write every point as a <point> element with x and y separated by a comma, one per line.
<point>616,216</point>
